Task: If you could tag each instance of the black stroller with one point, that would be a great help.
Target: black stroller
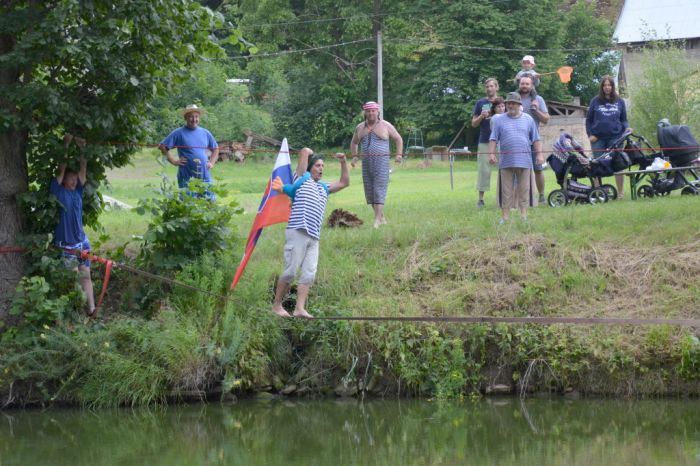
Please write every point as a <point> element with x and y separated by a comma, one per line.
<point>680,148</point>
<point>570,164</point>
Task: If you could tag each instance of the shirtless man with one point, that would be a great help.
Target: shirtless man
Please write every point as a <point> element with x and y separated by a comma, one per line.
<point>373,137</point>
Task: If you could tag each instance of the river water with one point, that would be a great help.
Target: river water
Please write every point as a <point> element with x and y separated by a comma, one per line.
<point>501,431</point>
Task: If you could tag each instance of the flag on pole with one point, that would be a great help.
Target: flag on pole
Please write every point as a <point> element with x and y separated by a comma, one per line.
<point>274,208</point>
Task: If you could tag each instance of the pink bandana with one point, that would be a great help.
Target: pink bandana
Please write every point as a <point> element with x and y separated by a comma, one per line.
<point>370,106</point>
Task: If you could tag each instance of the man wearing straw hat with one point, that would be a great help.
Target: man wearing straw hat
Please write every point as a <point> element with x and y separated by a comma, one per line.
<point>192,143</point>
<point>373,136</point>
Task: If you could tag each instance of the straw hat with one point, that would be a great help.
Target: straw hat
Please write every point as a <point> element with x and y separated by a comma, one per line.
<point>192,108</point>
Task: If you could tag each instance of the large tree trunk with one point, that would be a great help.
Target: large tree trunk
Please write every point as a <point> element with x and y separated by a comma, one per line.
<point>13,182</point>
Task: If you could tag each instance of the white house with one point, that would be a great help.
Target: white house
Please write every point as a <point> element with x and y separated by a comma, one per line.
<point>665,20</point>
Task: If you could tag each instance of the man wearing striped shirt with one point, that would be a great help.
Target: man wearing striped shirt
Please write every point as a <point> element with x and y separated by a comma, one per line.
<point>516,132</point>
<point>309,197</point>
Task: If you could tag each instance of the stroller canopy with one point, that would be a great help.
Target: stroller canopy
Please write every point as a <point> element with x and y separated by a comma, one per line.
<point>678,144</point>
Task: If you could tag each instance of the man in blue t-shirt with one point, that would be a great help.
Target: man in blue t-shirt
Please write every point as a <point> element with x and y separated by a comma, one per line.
<point>192,143</point>
<point>309,197</point>
<point>481,118</point>
<point>67,187</point>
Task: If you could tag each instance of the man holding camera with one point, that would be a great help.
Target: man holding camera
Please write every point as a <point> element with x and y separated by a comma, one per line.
<point>534,106</point>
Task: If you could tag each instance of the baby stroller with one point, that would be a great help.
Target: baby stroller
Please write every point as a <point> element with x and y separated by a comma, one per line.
<point>634,147</point>
<point>569,163</point>
<point>680,148</point>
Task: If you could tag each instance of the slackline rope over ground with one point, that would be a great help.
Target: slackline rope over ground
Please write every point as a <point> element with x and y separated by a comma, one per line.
<point>522,320</point>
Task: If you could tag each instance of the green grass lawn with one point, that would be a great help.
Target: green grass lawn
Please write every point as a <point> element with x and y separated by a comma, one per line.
<point>441,255</point>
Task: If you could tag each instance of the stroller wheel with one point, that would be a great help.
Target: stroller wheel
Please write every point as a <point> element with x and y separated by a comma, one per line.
<point>611,190</point>
<point>689,190</point>
<point>646,191</point>
<point>557,198</point>
<point>597,196</point>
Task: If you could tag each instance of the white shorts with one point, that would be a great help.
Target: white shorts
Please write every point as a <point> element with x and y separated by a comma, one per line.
<point>300,252</point>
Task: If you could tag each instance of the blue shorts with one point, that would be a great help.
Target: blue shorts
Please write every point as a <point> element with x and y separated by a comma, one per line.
<point>70,253</point>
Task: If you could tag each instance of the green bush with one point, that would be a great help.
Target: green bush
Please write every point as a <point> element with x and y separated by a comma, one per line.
<point>34,303</point>
<point>689,350</point>
<point>48,293</point>
<point>183,227</point>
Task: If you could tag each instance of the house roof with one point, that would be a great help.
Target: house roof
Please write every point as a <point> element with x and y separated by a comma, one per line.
<point>671,19</point>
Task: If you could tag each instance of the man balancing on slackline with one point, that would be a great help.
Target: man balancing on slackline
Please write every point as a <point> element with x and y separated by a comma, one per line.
<point>309,197</point>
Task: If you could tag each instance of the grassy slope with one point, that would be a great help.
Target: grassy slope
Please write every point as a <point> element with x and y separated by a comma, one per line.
<point>438,256</point>
<point>441,255</point>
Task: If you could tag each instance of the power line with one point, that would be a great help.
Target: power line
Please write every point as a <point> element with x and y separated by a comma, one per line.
<point>290,52</point>
<point>407,41</point>
<point>490,49</point>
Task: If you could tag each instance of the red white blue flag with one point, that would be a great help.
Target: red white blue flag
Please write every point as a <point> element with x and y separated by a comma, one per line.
<point>274,208</point>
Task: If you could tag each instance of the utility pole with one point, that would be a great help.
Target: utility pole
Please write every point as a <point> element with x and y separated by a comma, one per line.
<point>377,31</point>
<point>380,84</point>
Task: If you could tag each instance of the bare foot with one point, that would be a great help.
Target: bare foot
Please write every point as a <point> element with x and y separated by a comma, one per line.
<point>280,311</point>
<point>384,222</point>
<point>303,314</point>
<point>376,224</point>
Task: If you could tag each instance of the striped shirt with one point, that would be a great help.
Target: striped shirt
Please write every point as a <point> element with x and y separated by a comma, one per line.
<point>515,137</point>
<point>309,199</point>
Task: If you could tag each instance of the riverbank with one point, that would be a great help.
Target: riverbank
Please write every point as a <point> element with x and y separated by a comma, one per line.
<point>439,256</point>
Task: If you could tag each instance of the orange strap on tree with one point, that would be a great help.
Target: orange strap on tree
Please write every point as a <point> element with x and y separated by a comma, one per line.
<point>10,249</point>
<point>108,272</point>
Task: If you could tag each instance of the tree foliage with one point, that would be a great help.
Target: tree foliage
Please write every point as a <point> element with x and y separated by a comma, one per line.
<point>436,57</point>
<point>590,42</point>
<point>89,68</point>
<point>230,107</point>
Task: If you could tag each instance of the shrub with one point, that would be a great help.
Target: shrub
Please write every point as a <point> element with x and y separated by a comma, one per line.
<point>48,293</point>
<point>185,226</point>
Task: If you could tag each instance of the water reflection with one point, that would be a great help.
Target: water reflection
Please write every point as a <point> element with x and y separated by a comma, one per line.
<point>330,432</point>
